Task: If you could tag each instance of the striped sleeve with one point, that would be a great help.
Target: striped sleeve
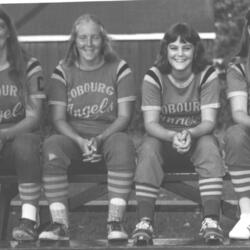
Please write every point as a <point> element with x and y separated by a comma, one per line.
<point>210,88</point>
<point>35,79</point>
<point>152,90</point>
<point>57,90</point>
<point>126,89</point>
<point>236,81</point>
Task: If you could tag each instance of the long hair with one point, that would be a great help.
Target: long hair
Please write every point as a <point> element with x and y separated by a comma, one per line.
<point>16,56</point>
<point>72,54</point>
<point>186,34</point>
<point>245,38</point>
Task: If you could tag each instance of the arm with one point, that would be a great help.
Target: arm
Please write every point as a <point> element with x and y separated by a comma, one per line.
<point>125,111</point>
<point>62,126</point>
<point>28,124</point>
<point>208,121</point>
<point>239,110</point>
<point>153,127</point>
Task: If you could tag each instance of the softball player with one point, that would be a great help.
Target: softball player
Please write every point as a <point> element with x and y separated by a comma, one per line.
<point>91,94</point>
<point>237,138</point>
<point>21,94</point>
<point>180,98</point>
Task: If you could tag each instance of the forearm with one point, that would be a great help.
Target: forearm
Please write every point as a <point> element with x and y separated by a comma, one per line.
<point>158,131</point>
<point>27,125</point>
<point>241,118</point>
<point>66,129</point>
<point>120,124</point>
<point>205,127</point>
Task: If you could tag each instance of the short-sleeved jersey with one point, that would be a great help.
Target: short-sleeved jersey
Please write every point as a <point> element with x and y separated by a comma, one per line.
<point>91,97</point>
<point>180,105</point>
<point>237,83</point>
<point>14,103</point>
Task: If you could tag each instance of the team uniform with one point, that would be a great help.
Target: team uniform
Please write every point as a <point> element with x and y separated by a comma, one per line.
<point>15,106</point>
<point>237,144</point>
<point>180,108</point>
<point>91,99</point>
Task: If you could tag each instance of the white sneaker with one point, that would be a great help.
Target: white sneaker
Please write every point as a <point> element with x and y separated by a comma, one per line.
<point>241,230</point>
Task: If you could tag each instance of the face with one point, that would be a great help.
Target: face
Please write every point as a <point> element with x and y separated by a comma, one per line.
<point>3,33</point>
<point>89,42</point>
<point>180,55</point>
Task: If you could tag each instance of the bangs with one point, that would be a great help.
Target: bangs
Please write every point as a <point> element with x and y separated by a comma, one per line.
<point>186,34</point>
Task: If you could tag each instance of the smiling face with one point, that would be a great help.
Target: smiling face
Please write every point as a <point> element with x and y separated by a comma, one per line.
<point>89,42</point>
<point>180,56</point>
<point>4,34</point>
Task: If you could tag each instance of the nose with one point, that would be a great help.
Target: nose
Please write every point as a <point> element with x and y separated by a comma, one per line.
<point>89,41</point>
<point>180,51</point>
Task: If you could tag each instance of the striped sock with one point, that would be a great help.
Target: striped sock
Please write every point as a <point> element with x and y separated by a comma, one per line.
<point>146,196</point>
<point>56,188</point>
<point>241,181</point>
<point>120,184</point>
<point>211,192</point>
<point>29,195</point>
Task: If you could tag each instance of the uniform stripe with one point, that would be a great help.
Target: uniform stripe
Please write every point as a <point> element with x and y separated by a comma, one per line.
<point>153,76</point>
<point>239,67</point>
<point>56,186</point>
<point>237,93</point>
<point>239,173</point>
<point>38,96</point>
<point>120,174</point>
<point>126,99</point>
<point>150,108</point>
<point>205,187</point>
<point>57,103</point>
<point>211,193</point>
<point>211,105</point>
<point>118,190</point>
<point>208,75</point>
<point>209,180</point>
<point>123,70</point>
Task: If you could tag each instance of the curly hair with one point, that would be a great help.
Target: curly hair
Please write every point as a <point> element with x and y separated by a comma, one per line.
<point>186,34</point>
<point>72,54</point>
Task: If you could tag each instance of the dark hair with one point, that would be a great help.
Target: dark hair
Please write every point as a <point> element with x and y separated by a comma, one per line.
<point>244,41</point>
<point>72,54</point>
<point>16,56</point>
<point>186,34</point>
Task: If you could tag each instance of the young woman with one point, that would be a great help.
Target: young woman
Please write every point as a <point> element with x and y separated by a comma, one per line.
<point>237,138</point>
<point>92,94</point>
<point>180,98</point>
<point>21,94</point>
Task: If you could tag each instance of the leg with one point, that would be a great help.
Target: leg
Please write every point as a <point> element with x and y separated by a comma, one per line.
<point>119,155</point>
<point>237,148</point>
<point>26,160</point>
<point>149,175</point>
<point>208,163</point>
<point>58,151</point>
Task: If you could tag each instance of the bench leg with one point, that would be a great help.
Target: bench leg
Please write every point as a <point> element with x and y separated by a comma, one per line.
<point>8,191</point>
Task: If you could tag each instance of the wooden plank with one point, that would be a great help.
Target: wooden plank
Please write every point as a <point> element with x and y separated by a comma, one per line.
<point>102,244</point>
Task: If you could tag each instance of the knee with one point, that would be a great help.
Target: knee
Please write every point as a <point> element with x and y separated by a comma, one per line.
<point>26,144</point>
<point>51,143</point>
<point>234,137</point>
<point>121,144</point>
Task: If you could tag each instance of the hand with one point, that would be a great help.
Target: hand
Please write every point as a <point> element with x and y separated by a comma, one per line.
<point>186,140</point>
<point>182,141</point>
<point>84,146</point>
<point>95,143</point>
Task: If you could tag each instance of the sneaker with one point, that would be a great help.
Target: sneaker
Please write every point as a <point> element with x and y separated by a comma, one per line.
<point>55,231</point>
<point>143,233</point>
<point>241,230</point>
<point>25,231</point>
<point>211,231</point>
<point>116,231</point>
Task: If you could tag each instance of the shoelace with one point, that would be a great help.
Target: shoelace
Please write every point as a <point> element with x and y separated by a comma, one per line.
<point>144,225</point>
<point>209,223</point>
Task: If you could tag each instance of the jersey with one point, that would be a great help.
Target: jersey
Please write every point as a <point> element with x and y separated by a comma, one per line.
<point>91,97</point>
<point>180,105</point>
<point>14,104</point>
<point>237,83</point>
